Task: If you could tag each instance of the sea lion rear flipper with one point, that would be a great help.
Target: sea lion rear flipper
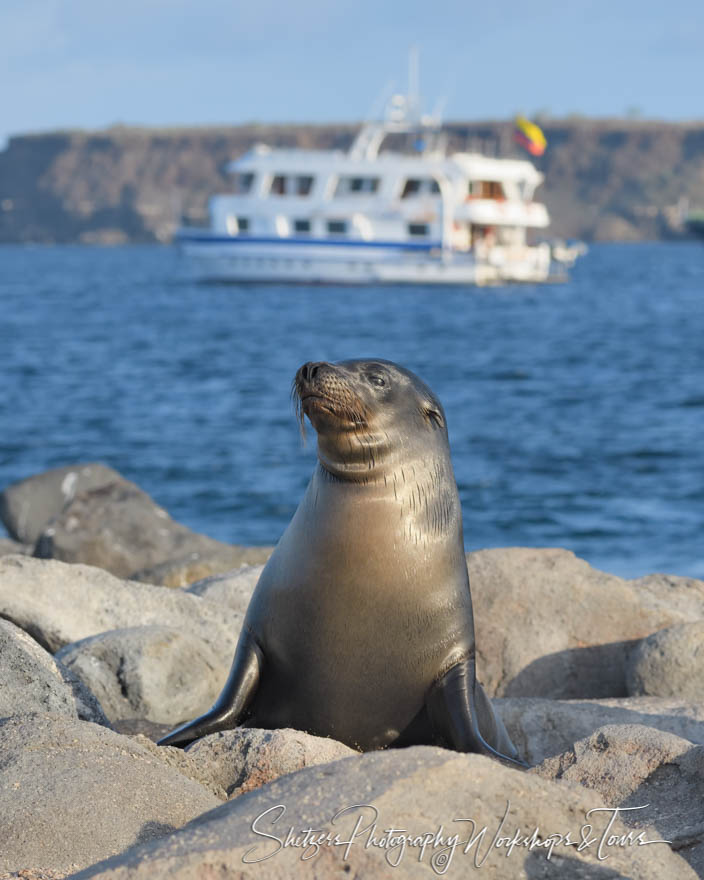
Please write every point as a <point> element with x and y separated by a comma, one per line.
<point>232,703</point>
<point>462,715</point>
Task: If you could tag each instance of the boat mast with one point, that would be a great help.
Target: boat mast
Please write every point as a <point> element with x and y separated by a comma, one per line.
<point>413,85</point>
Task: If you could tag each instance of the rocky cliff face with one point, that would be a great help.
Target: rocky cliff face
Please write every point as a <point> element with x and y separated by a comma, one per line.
<point>605,180</point>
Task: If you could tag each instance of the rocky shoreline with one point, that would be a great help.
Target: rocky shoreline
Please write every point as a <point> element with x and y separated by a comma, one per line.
<point>116,623</point>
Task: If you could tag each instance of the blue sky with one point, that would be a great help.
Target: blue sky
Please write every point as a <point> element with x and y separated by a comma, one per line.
<point>92,63</point>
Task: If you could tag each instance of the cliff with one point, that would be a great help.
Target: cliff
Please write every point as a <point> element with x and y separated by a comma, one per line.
<point>605,179</point>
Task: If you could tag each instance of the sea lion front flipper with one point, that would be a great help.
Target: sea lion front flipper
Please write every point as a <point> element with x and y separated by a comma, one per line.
<point>232,703</point>
<point>462,715</point>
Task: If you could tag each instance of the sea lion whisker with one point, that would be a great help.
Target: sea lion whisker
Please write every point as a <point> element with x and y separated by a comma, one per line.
<point>298,409</point>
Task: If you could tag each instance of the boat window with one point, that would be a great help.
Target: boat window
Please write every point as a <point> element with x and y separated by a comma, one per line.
<point>237,225</point>
<point>357,186</point>
<point>418,229</point>
<point>304,184</point>
<point>243,183</point>
<point>337,227</point>
<point>278,185</point>
<point>416,186</point>
<point>486,189</point>
<point>302,227</point>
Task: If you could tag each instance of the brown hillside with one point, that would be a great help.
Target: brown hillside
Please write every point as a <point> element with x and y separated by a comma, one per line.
<point>605,179</point>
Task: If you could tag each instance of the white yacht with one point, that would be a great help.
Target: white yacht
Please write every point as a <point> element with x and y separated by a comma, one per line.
<point>375,215</point>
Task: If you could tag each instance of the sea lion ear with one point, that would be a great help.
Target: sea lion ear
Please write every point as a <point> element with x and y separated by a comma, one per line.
<point>434,415</point>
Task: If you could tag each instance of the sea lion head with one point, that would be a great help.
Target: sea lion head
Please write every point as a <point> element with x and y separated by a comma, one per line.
<point>368,415</point>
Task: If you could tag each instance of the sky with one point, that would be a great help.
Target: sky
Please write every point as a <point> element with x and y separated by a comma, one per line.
<point>92,63</point>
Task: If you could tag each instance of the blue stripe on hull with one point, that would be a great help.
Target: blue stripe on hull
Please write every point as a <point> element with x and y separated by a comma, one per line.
<point>310,242</point>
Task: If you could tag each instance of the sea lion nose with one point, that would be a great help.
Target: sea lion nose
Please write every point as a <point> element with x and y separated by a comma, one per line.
<point>309,371</point>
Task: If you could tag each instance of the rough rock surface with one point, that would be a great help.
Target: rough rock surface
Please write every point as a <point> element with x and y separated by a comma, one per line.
<point>151,730</point>
<point>669,663</point>
<point>118,527</point>
<point>418,790</point>
<point>26,507</point>
<point>549,625</point>
<point>194,567</point>
<point>233,589</point>
<point>32,681</point>
<point>633,766</point>
<point>180,760</point>
<point>156,673</point>
<point>29,874</point>
<point>543,728</point>
<point>73,793</point>
<point>59,604</point>
<point>8,547</point>
<point>241,760</point>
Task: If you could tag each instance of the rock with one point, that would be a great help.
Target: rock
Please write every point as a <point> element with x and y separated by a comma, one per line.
<point>669,663</point>
<point>8,547</point>
<point>549,625</point>
<point>58,604</point>
<point>39,874</point>
<point>156,673</point>
<point>26,507</point>
<point>196,566</point>
<point>119,528</point>
<point>72,793</point>
<point>543,728</point>
<point>423,791</point>
<point>140,727</point>
<point>244,759</point>
<point>180,760</point>
<point>32,681</point>
<point>634,766</point>
<point>233,589</point>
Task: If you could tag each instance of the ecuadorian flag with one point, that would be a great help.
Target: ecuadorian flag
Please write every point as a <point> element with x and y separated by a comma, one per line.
<point>529,136</point>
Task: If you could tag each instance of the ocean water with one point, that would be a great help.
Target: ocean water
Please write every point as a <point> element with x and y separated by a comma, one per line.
<point>575,411</point>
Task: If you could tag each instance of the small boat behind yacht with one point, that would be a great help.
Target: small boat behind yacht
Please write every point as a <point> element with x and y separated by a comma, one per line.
<point>371,215</point>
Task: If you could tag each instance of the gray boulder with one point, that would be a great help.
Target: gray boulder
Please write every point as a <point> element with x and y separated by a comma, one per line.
<point>669,663</point>
<point>156,673</point>
<point>8,547</point>
<point>422,792</point>
<point>118,527</point>
<point>196,566</point>
<point>657,777</point>
<point>26,507</point>
<point>232,589</point>
<point>543,728</point>
<point>180,760</point>
<point>150,730</point>
<point>59,604</point>
<point>241,760</point>
<point>549,625</point>
<point>72,793</point>
<point>32,681</point>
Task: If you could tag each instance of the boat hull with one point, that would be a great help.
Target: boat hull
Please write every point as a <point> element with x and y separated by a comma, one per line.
<point>238,260</point>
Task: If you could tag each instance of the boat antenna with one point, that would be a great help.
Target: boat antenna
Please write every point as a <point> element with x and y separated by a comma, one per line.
<point>381,100</point>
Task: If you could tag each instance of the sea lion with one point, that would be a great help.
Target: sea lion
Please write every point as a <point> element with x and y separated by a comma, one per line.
<point>360,627</point>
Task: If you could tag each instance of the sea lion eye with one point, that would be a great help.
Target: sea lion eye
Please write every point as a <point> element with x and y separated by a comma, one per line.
<point>377,380</point>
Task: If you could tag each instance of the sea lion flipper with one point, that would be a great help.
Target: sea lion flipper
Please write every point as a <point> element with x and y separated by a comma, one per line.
<point>463,717</point>
<point>236,696</point>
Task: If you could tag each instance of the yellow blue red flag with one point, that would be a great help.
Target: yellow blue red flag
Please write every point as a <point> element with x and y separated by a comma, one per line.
<point>529,136</point>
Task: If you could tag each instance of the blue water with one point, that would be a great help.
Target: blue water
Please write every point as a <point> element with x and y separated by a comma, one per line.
<point>575,411</point>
